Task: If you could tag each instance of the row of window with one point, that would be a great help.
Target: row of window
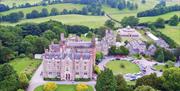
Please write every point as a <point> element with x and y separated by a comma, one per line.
<point>49,62</point>
<point>58,73</point>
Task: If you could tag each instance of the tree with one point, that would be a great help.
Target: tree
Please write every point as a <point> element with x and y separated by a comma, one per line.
<point>97,70</point>
<point>85,11</point>
<point>129,21</point>
<point>160,57</point>
<point>160,23</point>
<point>58,30</point>
<point>3,7</point>
<point>89,34</point>
<point>99,56</point>
<point>8,78</point>
<point>33,14</point>
<point>109,24</point>
<point>106,81</point>
<point>169,64</point>
<point>158,10</point>
<point>171,79</point>
<point>144,88</point>
<point>13,17</point>
<point>121,83</point>
<point>150,80</point>
<point>81,87</point>
<point>173,21</point>
<point>50,86</point>
<point>118,50</point>
<point>143,1</point>
<point>54,12</point>
<point>23,80</point>
<point>65,11</point>
<point>49,35</point>
<point>112,50</point>
<point>6,54</point>
<point>44,12</point>
<point>163,55</point>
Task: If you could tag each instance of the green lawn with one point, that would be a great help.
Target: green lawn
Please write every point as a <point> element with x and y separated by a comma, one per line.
<point>90,21</point>
<point>160,67</point>
<point>115,66</point>
<point>131,82</point>
<point>119,14</point>
<point>19,2</point>
<point>25,65</point>
<point>173,32</point>
<point>63,88</point>
<point>60,8</point>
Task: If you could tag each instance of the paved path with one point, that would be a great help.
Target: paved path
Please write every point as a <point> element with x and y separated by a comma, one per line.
<point>102,64</point>
<point>148,66</point>
<point>36,80</point>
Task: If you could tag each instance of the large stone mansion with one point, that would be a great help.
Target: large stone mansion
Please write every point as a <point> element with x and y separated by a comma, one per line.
<point>70,59</point>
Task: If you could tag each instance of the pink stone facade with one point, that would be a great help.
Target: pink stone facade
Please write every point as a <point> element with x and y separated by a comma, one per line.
<point>70,59</point>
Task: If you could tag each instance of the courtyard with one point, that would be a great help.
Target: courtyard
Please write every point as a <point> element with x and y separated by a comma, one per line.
<point>122,67</point>
<point>64,88</point>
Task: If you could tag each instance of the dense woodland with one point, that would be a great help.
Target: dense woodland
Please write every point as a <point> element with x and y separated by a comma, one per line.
<point>28,38</point>
<point>159,11</point>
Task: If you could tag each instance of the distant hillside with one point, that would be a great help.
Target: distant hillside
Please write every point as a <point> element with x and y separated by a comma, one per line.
<point>19,2</point>
<point>60,7</point>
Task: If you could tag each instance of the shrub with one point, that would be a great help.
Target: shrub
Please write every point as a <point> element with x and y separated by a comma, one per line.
<point>20,90</point>
<point>169,64</point>
<point>82,79</point>
<point>22,55</point>
<point>97,70</point>
<point>144,88</point>
<point>23,80</point>
<point>50,86</point>
<point>52,79</point>
<point>81,87</point>
<point>122,66</point>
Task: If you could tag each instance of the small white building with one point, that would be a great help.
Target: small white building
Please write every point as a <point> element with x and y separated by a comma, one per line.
<point>153,37</point>
<point>38,56</point>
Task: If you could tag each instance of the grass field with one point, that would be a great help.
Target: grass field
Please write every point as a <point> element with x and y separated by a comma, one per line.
<point>129,67</point>
<point>90,21</point>
<point>60,8</point>
<point>173,32</point>
<point>164,16</point>
<point>25,65</point>
<point>119,14</point>
<point>63,88</point>
<point>19,2</point>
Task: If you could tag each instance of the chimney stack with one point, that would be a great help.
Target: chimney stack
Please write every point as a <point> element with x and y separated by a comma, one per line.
<point>62,36</point>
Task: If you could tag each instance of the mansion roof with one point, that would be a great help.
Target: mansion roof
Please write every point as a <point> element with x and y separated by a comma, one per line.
<point>52,55</point>
<point>72,48</point>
